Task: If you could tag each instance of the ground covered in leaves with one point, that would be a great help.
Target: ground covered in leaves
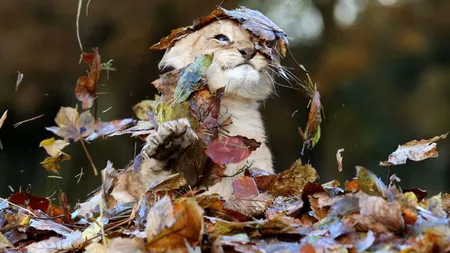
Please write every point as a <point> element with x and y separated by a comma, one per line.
<point>286,212</point>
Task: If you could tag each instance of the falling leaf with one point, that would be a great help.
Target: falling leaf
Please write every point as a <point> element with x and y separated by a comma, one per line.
<point>339,159</point>
<point>414,151</point>
<point>19,80</point>
<point>71,125</point>
<point>51,163</point>
<point>103,129</point>
<point>86,85</point>
<point>311,134</point>
<point>3,118</point>
<point>53,147</point>
<point>225,150</point>
<point>190,79</point>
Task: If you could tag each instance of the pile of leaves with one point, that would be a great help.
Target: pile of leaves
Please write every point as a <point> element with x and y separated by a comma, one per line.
<point>286,212</point>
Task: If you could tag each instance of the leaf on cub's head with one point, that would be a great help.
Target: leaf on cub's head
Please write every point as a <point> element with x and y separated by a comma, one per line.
<point>71,125</point>
<point>224,150</point>
<point>414,151</point>
<point>272,42</point>
<point>86,85</point>
<point>52,146</point>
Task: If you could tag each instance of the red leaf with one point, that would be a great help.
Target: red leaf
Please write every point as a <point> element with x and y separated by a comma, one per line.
<point>25,199</point>
<point>224,150</point>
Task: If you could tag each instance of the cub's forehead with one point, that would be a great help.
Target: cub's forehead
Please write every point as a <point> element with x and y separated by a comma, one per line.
<point>230,28</point>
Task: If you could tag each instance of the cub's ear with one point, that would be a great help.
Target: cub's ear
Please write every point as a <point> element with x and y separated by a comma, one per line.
<point>166,68</point>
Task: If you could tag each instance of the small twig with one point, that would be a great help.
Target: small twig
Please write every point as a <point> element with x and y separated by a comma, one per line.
<point>89,157</point>
<point>27,120</point>
<point>79,175</point>
<point>80,4</point>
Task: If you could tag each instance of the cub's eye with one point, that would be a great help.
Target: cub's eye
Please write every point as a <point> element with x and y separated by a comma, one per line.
<point>222,38</point>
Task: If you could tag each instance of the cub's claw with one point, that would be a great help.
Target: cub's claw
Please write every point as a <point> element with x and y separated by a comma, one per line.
<point>170,140</point>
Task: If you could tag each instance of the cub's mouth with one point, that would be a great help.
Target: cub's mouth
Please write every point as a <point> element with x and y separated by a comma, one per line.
<point>245,64</point>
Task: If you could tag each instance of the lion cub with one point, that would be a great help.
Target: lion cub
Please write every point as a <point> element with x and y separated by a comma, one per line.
<point>244,71</point>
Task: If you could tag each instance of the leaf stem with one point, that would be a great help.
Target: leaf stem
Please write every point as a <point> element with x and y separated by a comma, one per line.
<point>89,157</point>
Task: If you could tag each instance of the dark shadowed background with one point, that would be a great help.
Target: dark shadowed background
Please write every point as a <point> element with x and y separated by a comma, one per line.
<point>383,70</point>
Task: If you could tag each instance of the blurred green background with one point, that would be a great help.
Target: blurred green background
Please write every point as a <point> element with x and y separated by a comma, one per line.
<point>382,66</point>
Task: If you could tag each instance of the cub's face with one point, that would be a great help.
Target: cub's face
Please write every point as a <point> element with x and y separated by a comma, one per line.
<point>237,65</point>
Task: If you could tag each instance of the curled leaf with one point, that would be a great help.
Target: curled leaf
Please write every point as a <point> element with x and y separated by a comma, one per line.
<point>414,151</point>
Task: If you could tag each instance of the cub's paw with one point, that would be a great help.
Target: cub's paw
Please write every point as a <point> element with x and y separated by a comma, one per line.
<point>170,140</point>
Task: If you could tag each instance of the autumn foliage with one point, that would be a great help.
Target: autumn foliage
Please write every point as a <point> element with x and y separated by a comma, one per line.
<point>291,211</point>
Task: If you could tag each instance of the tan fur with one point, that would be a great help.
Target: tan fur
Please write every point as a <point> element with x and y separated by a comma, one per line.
<point>245,86</point>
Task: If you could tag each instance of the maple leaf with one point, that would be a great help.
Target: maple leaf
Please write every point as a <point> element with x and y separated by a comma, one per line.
<point>415,151</point>
<point>224,150</point>
<point>86,85</point>
<point>71,125</point>
<point>53,147</point>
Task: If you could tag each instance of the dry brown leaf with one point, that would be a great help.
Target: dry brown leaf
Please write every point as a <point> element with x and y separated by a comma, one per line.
<point>381,212</point>
<point>290,182</point>
<point>414,151</point>
<point>170,225</point>
<point>86,85</point>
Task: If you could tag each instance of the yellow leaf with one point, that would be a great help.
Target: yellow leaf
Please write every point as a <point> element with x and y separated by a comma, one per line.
<point>53,147</point>
<point>51,163</point>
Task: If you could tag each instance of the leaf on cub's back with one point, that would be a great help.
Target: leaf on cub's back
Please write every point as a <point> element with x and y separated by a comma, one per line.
<point>190,79</point>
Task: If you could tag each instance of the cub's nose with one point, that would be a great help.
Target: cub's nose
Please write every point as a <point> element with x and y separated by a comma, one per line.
<point>247,52</point>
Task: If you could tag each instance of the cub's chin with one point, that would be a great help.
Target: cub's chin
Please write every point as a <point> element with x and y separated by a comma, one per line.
<point>242,81</point>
